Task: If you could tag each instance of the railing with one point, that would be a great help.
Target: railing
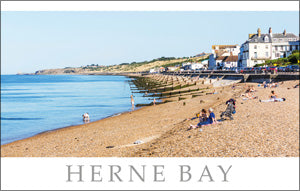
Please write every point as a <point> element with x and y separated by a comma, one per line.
<point>260,58</point>
<point>222,72</point>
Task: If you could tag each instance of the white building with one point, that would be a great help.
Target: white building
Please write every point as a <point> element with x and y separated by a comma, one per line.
<point>260,47</point>
<point>219,52</point>
<point>227,61</point>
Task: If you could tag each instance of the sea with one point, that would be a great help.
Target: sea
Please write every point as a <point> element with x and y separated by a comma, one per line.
<point>32,104</point>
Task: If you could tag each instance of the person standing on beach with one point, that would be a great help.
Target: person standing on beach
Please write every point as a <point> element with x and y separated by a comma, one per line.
<point>132,100</point>
<point>154,101</point>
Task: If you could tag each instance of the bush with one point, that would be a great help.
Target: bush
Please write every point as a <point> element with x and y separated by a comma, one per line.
<point>294,57</point>
<point>69,71</point>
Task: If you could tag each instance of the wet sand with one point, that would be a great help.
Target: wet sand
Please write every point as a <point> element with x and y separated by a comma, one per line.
<point>258,129</point>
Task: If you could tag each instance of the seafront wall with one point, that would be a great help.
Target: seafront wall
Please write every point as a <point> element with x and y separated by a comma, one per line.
<point>217,75</point>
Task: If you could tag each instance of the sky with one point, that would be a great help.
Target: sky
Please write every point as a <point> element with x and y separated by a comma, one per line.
<point>36,40</point>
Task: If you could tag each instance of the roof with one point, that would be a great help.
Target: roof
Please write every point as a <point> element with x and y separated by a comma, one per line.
<point>280,35</point>
<point>224,46</point>
<point>231,59</point>
<point>221,57</point>
<point>228,58</point>
<point>256,39</point>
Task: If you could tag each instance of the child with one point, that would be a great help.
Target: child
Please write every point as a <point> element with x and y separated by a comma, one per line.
<point>210,120</point>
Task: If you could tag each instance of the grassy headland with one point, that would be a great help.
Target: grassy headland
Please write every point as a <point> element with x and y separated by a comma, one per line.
<point>124,67</point>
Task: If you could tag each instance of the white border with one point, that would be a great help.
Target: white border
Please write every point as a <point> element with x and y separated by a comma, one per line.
<point>245,174</point>
<point>150,5</point>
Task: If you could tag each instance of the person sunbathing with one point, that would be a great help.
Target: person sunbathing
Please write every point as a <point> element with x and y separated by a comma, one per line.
<point>248,95</point>
<point>252,89</point>
<point>273,98</point>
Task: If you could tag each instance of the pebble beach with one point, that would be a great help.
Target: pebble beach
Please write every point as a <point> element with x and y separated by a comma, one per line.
<point>258,130</point>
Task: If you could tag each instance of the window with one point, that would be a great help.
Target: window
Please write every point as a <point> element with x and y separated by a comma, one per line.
<point>266,39</point>
<point>267,46</point>
<point>255,54</point>
<point>281,47</point>
<point>277,55</point>
<point>267,54</point>
<point>291,47</point>
<point>255,46</point>
<point>276,48</point>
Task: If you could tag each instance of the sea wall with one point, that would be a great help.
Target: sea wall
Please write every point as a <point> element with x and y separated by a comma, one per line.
<point>259,78</point>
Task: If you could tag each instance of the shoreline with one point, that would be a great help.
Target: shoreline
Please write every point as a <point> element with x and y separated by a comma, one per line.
<point>71,126</point>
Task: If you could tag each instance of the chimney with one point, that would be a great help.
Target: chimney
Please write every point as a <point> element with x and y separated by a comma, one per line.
<point>270,31</point>
<point>258,32</point>
<point>284,32</point>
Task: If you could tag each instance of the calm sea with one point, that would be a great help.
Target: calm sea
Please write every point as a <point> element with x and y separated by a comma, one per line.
<point>31,104</point>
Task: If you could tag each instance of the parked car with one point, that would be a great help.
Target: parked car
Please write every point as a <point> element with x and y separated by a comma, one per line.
<point>271,69</point>
<point>282,69</point>
<point>293,68</point>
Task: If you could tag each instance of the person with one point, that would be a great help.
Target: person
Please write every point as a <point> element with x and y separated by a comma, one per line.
<point>273,98</point>
<point>233,86</point>
<point>86,117</point>
<point>272,85</point>
<point>273,95</point>
<point>210,120</point>
<point>202,116</point>
<point>154,101</point>
<point>214,92</point>
<point>229,110</point>
<point>132,100</point>
<point>248,95</point>
<point>252,89</point>
<point>265,84</point>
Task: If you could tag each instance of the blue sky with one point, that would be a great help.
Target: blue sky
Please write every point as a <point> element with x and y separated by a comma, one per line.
<point>33,41</point>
